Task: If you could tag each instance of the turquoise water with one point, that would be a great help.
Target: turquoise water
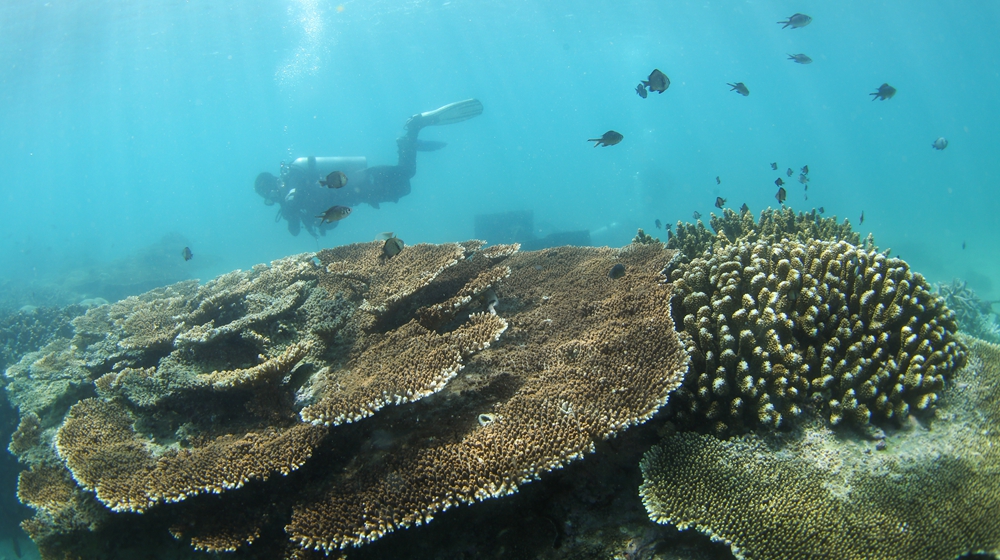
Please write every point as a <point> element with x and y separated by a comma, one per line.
<point>129,130</point>
<point>127,122</point>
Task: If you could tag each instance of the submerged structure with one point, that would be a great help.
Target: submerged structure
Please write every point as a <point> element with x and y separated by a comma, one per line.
<point>314,405</point>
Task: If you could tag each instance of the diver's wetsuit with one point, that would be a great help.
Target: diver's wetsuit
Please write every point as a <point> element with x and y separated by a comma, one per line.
<point>302,198</point>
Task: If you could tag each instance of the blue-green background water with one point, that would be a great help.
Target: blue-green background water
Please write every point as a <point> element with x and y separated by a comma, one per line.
<point>131,129</point>
<point>123,122</point>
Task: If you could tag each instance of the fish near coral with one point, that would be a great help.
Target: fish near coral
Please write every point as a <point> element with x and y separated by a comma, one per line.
<point>719,202</point>
<point>800,58</point>
<point>658,82</point>
<point>658,223</point>
<point>744,209</point>
<point>392,247</point>
<point>334,213</point>
<point>740,88</point>
<point>885,91</point>
<point>940,144</point>
<point>696,215</point>
<point>616,271</point>
<point>781,195</point>
<point>609,138</point>
<point>861,220</point>
<point>796,21</point>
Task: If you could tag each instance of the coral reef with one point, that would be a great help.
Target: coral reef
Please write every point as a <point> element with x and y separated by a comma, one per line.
<point>927,494</point>
<point>30,329</point>
<point>693,240</point>
<point>975,317</point>
<point>583,358</point>
<point>253,411</point>
<point>778,326</point>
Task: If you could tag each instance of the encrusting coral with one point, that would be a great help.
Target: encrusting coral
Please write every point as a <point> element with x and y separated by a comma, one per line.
<point>186,395</point>
<point>775,327</point>
<point>928,494</point>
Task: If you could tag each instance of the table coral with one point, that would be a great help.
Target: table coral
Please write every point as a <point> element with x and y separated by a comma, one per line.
<point>774,328</point>
<point>583,358</point>
<point>929,494</point>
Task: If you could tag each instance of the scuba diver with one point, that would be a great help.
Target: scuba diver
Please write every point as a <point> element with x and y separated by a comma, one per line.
<point>303,198</point>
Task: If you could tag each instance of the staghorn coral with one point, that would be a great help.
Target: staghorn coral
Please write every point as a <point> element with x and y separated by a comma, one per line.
<point>975,317</point>
<point>773,225</point>
<point>777,327</point>
<point>583,358</point>
<point>927,495</point>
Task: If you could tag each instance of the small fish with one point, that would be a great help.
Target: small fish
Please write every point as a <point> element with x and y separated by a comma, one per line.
<point>641,90</point>
<point>740,88</point>
<point>392,247</point>
<point>334,213</point>
<point>384,235</point>
<point>696,215</point>
<point>885,91</point>
<point>774,166</point>
<point>800,58</point>
<point>609,138</point>
<point>805,169</point>
<point>719,202</point>
<point>187,254</point>
<point>796,21</point>
<point>861,220</point>
<point>804,179</point>
<point>334,180</point>
<point>744,209</point>
<point>963,245</point>
<point>779,181</point>
<point>940,144</point>
<point>789,172</point>
<point>822,210</point>
<point>658,224</point>
<point>669,227</point>
<point>616,271</point>
<point>806,195</point>
<point>781,195</point>
<point>658,82</point>
<point>718,181</point>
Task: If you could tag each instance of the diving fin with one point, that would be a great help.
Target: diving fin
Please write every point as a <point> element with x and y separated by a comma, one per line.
<point>450,114</point>
<point>430,145</point>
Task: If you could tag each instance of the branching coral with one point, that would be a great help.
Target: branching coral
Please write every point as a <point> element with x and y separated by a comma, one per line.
<point>928,495</point>
<point>975,317</point>
<point>776,327</point>
<point>773,225</point>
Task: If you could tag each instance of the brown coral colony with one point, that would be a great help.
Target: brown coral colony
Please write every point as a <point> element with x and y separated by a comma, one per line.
<point>776,327</point>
